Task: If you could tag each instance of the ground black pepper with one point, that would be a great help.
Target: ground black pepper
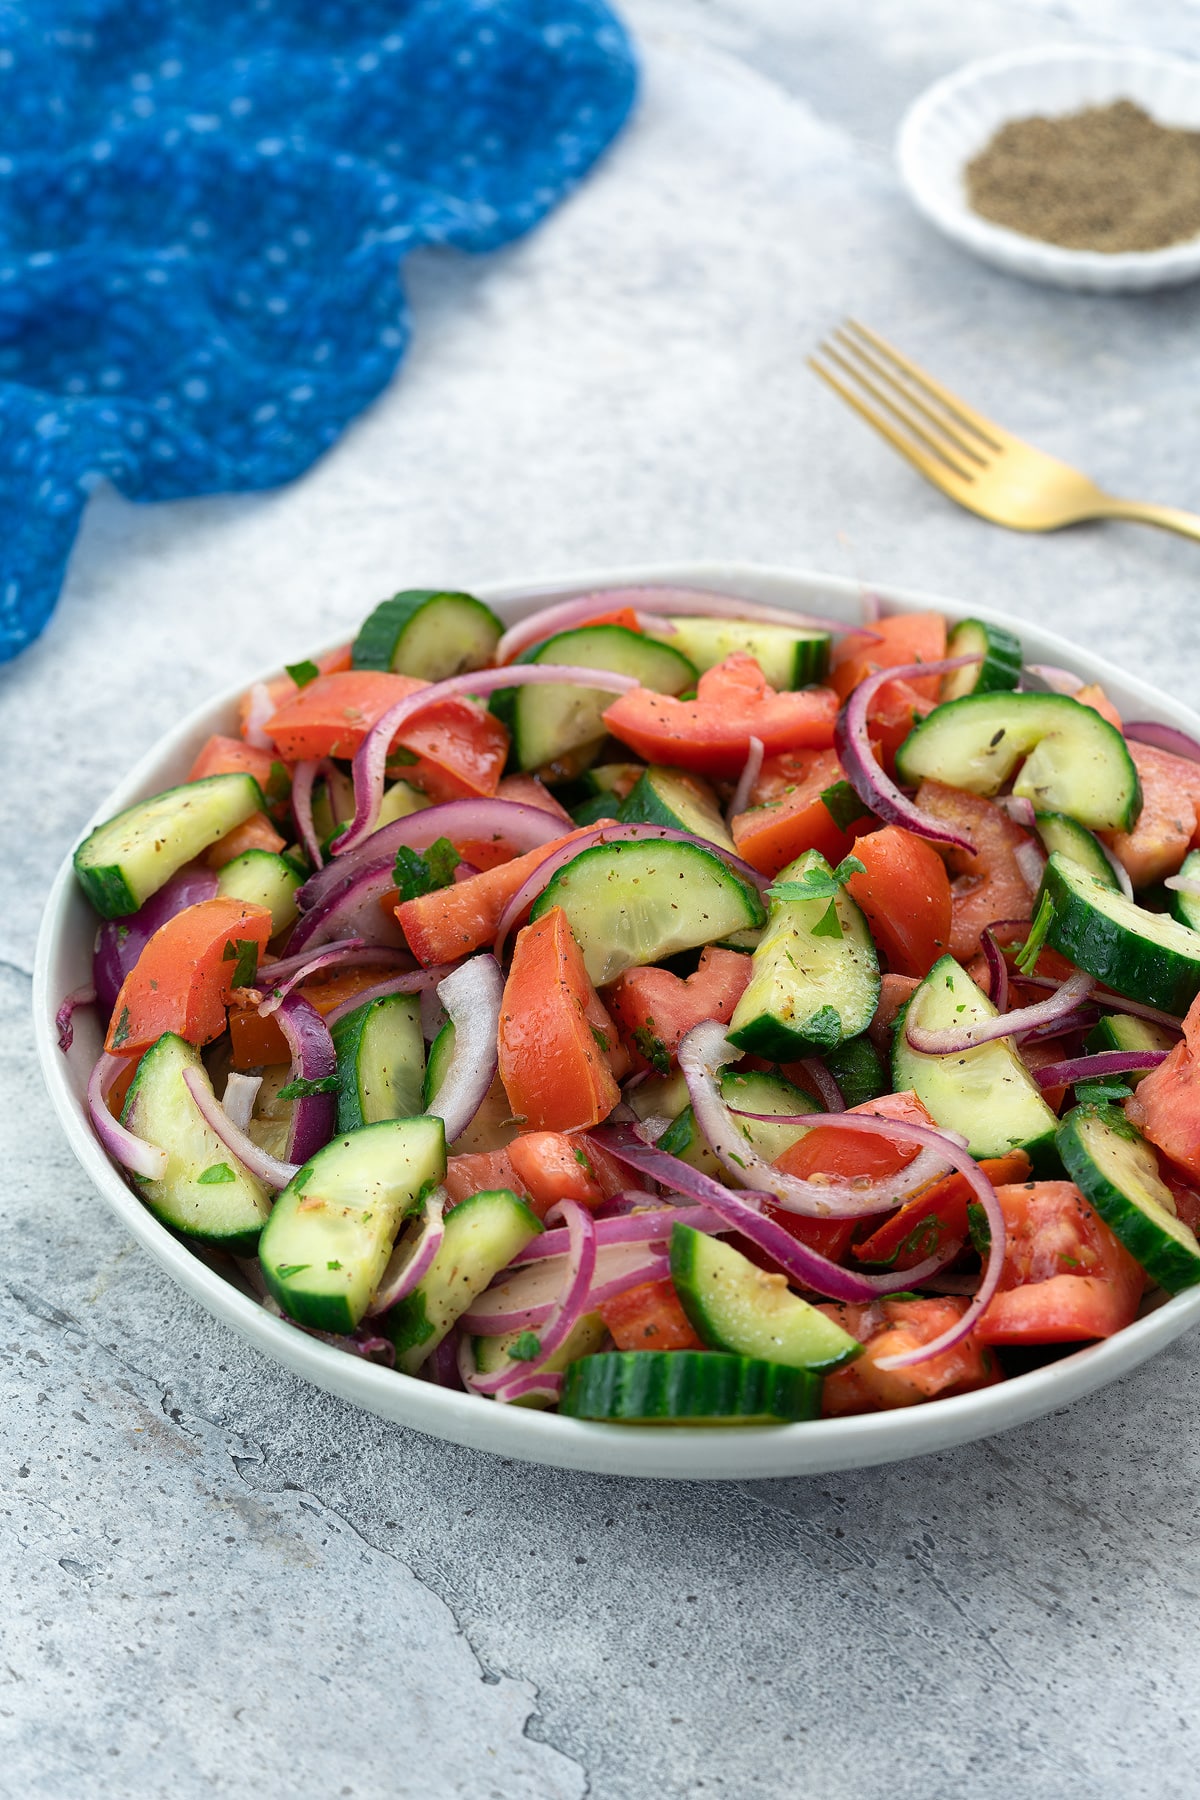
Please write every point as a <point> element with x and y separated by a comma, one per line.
<point>1108,178</point>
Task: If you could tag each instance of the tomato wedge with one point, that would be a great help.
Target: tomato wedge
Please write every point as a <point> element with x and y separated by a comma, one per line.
<point>654,1009</point>
<point>257,1042</point>
<point>649,1317</point>
<point>555,1074</point>
<point>1066,1277</point>
<point>1166,1102</point>
<point>900,638</point>
<point>905,894</point>
<point>1166,826</point>
<point>555,1165</point>
<point>828,1150</point>
<point>456,748</point>
<point>890,1327</point>
<point>936,1216</point>
<point>479,1172</point>
<point>254,833</point>
<point>797,808</point>
<point>988,884</point>
<point>183,979</point>
<point>711,734</point>
<point>231,756</point>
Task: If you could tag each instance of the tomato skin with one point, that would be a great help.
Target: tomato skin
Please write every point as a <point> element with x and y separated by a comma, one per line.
<point>649,1317</point>
<point>183,979</point>
<point>654,1009</point>
<point>554,1073</point>
<point>900,638</point>
<point>1067,1278</point>
<point>478,1172</point>
<point>788,815</point>
<point>711,734</point>
<point>231,756</point>
<point>460,749</point>
<point>257,1042</point>
<point>556,1166</point>
<point>1166,826</point>
<point>1093,695</point>
<point>528,790</point>
<point>829,1150</point>
<point>1166,1103</point>
<point>936,1216</point>
<point>905,894</point>
<point>987,883</point>
<point>828,1237</point>
<point>890,1327</point>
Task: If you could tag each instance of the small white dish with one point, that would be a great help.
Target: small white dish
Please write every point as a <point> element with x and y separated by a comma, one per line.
<point>63,962</point>
<point>953,120</point>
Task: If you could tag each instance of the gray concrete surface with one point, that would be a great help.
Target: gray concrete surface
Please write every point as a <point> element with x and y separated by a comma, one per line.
<point>220,1582</point>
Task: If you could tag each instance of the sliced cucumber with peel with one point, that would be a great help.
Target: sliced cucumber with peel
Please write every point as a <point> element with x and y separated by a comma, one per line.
<point>380,1061</point>
<point>754,1092</point>
<point>815,974</point>
<point>129,857</point>
<point>1071,760</point>
<point>986,1093</point>
<point>735,1306</point>
<point>1121,1031</point>
<point>858,1069</point>
<point>266,879</point>
<point>329,1238</point>
<point>483,1233</point>
<point>1186,907</point>
<point>629,904</point>
<point>428,634</point>
<point>1067,836</point>
<point>1116,1171</point>
<point>1146,956</point>
<point>667,797</point>
<point>547,723</point>
<point>1000,668</point>
<point>789,657</point>
<point>688,1387</point>
<point>204,1192</point>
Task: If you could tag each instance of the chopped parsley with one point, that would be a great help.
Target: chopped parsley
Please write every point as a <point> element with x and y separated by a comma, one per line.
<point>652,1048</point>
<point>285,1271</point>
<point>244,954</point>
<point>1028,955</point>
<point>526,1347</point>
<point>842,804</point>
<point>415,874</point>
<point>121,1033</point>
<point>215,1173</point>
<point>300,1089</point>
<point>302,672</point>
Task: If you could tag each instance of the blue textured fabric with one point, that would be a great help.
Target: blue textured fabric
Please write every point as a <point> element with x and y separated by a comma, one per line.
<point>203,207</point>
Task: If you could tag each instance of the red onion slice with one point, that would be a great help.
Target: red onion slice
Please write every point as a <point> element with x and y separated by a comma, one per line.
<point>534,883</point>
<point>997,971</point>
<point>119,942</point>
<point>352,954</point>
<point>303,777</point>
<point>565,615</point>
<point>410,1262</point>
<point>1183,884</point>
<point>1059,681</point>
<point>746,780</point>
<point>415,981</point>
<point>651,1227</point>
<point>873,787</point>
<point>260,1162</point>
<point>314,1116</point>
<point>950,1042</point>
<point>1030,859</point>
<point>1118,868</point>
<point>136,1154</point>
<point>1163,737</point>
<point>241,1091</point>
<point>524,1298</point>
<point>568,1309</point>
<point>1104,997</point>
<point>352,908</point>
<point>261,708</point>
<point>522,1386</point>
<point>471,995</point>
<point>64,1017</point>
<point>823,1085</point>
<point>1091,1068</point>
<point>370,759</point>
<point>1019,809</point>
<point>807,1268</point>
<point>703,1051</point>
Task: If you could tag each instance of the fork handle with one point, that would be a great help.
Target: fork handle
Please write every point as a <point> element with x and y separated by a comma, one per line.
<point>1170,518</point>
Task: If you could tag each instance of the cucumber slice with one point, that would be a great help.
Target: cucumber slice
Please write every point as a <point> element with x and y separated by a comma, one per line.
<point>809,988</point>
<point>1119,1031</point>
<point>985,1093</point>
<point>399,801</point>
<point>328,1240</point>
<point>548,722</point>
<point>380,1061</point>
<point>1186,907</point>
<point>1075,761</point>
<point>427,634</point>
<point>688,1387</point>
<point>735,1306</point>
<point>441,1053</point>
<point>665,797</point>
<point>1000,669</point>
<point>755,1092</point>
<point>204,1192</point>
<point>661,1097</point>
<point>1058,832</point>
<point>788,657</point>
<point>483,1234</point>
<point>591,811</point>
<point>131,856</point>
<point>491,1354</point>
<point>617,778</point>
<point>635,903</point>
<point>266,879</point>
<point>858,1069</point>
<point>1116,1171</point>
<point>1143,955</point>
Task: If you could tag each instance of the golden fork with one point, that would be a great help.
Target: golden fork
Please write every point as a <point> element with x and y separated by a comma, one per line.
<point>969,457</point>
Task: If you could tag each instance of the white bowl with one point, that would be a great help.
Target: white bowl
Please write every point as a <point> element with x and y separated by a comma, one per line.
<point>63,962</point>
<point>953,120</point>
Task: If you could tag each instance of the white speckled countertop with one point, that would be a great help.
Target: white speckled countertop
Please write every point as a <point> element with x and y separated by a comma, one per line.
<point>221,1582</point>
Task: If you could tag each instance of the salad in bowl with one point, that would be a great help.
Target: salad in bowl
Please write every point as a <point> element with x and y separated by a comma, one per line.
<point>671,1009</point>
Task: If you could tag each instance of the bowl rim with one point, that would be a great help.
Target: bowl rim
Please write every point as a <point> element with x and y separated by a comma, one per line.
<point>997,242</point>
<point>690,1453</point>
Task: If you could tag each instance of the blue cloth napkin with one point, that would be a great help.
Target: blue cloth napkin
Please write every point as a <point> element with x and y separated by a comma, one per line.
<point>203,207</point>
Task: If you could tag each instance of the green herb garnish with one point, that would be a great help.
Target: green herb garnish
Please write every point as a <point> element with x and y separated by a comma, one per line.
<point>216,1172</point>
<point>525,1347</point>
<point>1027,956</point>
<point>415,874</point>
<point>300,1089</point>
<point>302,672</point>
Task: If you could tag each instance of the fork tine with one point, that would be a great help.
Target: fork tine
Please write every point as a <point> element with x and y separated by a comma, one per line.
<point>941,424</point>
<point>932,468</point>
<point>983,427</point>
<point>941,450</point>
